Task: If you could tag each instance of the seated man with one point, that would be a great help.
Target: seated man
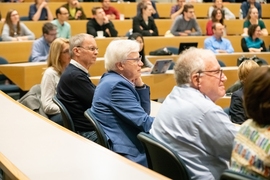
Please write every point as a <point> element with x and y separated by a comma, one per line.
<point>41,46</point>
<point>63,27</point>
<point>100,22</point>
<point>216,43</point>
<point>177,9</point>
<point>190,122</point>
<point>75,90</point>
<point>75,10</point>
<point>184,25</point>
<point>110,11</point>
<point>122,101</point>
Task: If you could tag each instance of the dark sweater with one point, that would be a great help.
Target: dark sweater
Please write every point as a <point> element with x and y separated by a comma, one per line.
<point>75,90</point>
<point>92,27</point>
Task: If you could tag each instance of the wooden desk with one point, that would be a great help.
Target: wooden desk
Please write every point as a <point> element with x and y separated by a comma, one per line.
<point>33,147</point>
<point>224,101</point>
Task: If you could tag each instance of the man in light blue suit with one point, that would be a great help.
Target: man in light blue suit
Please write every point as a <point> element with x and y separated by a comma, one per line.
<point>121,101</point>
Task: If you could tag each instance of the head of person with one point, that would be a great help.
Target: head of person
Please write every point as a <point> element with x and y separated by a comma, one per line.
<point>217,15</point>
<point>257,95</point>
<point>245,68</point>
<point>83,49</point>
<point>218,29</point>
<point>59,57</point>
<point>252,13</point>
<point>188,11</point>
<point>218,4</point>
<point>125,60</point>
<point>139,38</point>
<point>73,3</point>
<point>98,13</point>
<point>13,18</point>
<point>200,69</point>
<point>62,14</point>
<point>38,2</point>
<point>251,1</point>
<point>106,4</point>
<point>146,8</point>
<point>180,3</point>
<point>254,31</point>
<point>49,32</point>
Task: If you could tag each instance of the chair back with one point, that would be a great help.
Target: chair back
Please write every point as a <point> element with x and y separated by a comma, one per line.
<point>67,121</point>
<point>163,159</point>
<point>232,175</point>
<point>102,139</point>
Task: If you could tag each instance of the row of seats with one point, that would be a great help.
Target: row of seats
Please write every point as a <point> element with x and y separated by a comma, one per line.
<point>233,27</point>
<point>129,9</point>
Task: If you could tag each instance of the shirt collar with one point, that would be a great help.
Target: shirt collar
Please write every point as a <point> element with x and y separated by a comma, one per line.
<point>125,78</point>
<point>78,65</point>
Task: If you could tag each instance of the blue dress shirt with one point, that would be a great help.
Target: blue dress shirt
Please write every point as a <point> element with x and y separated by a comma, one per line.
<point>214,44</point>
<point>40,50</point>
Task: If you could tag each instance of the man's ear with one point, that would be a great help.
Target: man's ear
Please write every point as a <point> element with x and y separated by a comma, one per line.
<point>120,66</point>
<point>75,51</point>
<point>195,80</point>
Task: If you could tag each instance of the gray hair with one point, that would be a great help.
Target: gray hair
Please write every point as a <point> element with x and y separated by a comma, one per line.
<point>117,51</point>
<point>190,61</point>
<point>77,40</point>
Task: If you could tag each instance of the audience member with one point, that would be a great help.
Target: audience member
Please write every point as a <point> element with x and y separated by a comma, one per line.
<point>1,19</point>
<point>252,18</point>
<point>63,27</point>
<point>155,14</point>
<point>217,17</point>
<point>236,110</point>
<point>184,25</point>
<point>57,62</point>
<point>147,65</point>
<point>144,23</point>
<point>253,43</point>
<point>41,46</point>
<point>110,11</point>
<point>75,10</point>
<point>190,122</point>
<point>40,11</point>
<point>100,22</point>
<point>177,9</point>
<point>121,101</point>
<point>250,153</point>
<point>75,89</point>
<point>216,43</point>
<point>14,30</point>
<point>246,5</point>
<point>227,14</point>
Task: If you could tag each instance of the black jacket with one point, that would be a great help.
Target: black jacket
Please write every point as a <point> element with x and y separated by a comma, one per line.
<point>139,22</point>
<point>92,27</point>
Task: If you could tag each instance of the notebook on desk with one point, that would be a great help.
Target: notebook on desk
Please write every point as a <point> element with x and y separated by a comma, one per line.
<point>185,45</point>
<point>160,67</point>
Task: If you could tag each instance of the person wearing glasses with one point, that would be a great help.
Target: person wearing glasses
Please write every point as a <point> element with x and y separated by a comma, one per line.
<point>57,62</point>
<point>63,27</point>
<point>190,122</point>
<point>41,46</point>
<point>121,101</point>
<point>75,89</point>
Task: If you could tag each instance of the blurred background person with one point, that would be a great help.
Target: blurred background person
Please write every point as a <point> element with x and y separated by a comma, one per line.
<point>14,30</point>
<point>252,18</point>
<point>177,9</point>
<point>225,11</point>
<point>217,17</point>
<point>251,150</point>
<point>63,27</point>
<point>40,11</point>
<point>110,11</point>
<point>147,65</point>
<point>144,23</point>
<point>246,5</point>
<point>57,62</point>
<point>236,110</point>
<point>75,10</point>
<point>154,14</point>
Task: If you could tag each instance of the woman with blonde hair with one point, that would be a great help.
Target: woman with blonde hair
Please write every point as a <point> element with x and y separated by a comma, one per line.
<point>57,61</point>
<point>14,30</point>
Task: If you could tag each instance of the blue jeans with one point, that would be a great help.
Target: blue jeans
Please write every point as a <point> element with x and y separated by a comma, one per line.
<point>91,135</point>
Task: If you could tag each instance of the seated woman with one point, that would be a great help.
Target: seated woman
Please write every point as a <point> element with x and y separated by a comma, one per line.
<point>250,153</point>
<point>14,30</point>
<point>226,12</point>
<point>147,65</point>
<point>75,10</point>
<point>57,61</point>
<point>237,112</point>
<point>154,9</point>
<point>252,18</point>
<point>253,43</point>
<point>217,16</point>
<point>40,11</point>
<point>144,23</point>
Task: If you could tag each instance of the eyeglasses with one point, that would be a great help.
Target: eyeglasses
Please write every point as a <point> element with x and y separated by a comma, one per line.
<point>135,59</point>
<point>93,49</point>
<point>218,72</point>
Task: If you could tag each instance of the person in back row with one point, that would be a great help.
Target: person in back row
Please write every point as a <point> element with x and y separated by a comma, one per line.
<point>246,5</point>
<point>110,11</point>
<point>100,22</point>
<point>225,11</point>
<point>177,9</point>
<point>190,122</point>
<point>40,11</point>
<point>75,10</point>
<point>184,25</point>
<point>63,27</point>
<point>75,89</point>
